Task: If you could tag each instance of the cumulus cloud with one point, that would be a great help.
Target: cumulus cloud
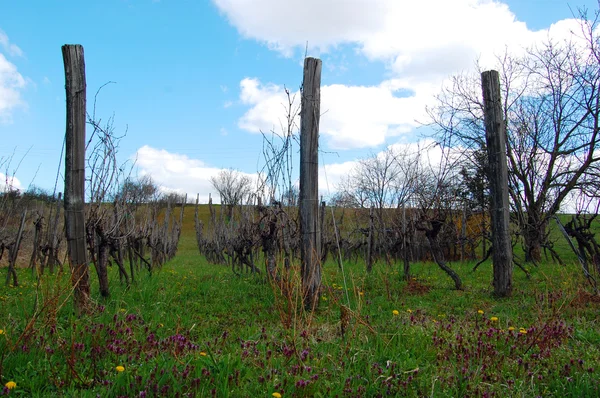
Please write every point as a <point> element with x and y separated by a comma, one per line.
<point>11,84</point>
<point>421,42</point>
<point>418,39</point>
<point>174,172</point>
<point>9,183</point>
<point>11,81</point>
<point>352,116</point>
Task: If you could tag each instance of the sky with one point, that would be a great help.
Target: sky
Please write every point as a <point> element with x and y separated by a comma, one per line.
<point>196,82</point>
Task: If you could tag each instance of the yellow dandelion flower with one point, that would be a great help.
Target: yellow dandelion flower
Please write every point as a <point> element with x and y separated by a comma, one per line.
<point>10,385</point>
<point>1,331</point>
<point>409,311</point>
<point>122,310</point>
<point>202,354</point>
<point>276,395</point>
<point>160,325</point>
<point>395,312</point>
<point>511,328</point>
<point>361,294</point>
<point>480,312</point>
<point>324,298</point>
<point>119,368</point>
<point>494,319</point>
<point>523,331</point>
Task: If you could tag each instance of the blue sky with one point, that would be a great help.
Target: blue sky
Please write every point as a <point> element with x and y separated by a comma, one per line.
<point>197,80</point>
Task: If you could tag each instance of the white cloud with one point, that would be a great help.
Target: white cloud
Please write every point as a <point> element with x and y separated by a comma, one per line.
<point>421,42</point>
<point>352,116</point>
<point>11,48</point>
<point>174,172</point>
<point>9,183</point>
<point>332,174</point>
<point>283,25</point>
<point>416,38</point>
<point>11,84</point>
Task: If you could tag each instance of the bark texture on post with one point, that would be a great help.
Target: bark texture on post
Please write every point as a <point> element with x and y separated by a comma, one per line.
<point>75,173</point>
<point>370,241</point>
<point>14,252</point>
<point>495,137</point>
<point>310,251</point>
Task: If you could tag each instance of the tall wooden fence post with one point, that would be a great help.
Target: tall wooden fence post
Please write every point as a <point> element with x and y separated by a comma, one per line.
<point>310,251</point>
<point>75,173</point>
<point>495,137</point>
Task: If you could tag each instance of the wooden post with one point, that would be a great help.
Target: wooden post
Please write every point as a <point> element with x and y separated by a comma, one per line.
<point>463,233</point>
<point>37,236</point>
<point>405,244</point>
<point>75,173</point>
<point>370,242</point>
<point>14,252</point>
<point>310,246</point>
<point>495,137</point>
<point>54,241</point>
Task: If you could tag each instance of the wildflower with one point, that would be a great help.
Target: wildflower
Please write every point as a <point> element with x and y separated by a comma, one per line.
<point>395,312</point>
<point>160,325</point>
<point>1,331</point>
<point>523,331</point>
<point>480,312</point>
<point>122,310</point>
<point>119,368</point>
<point>202,354</point>
<point>494,319</point>
<point>324,298</point>
<point>276,395</point>
<point>10,385</point>
<point>511,328</point>
<point>409,311</point>
<point>361,294</point>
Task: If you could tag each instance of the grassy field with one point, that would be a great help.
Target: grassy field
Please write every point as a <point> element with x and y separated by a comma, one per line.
<point>195,329</point>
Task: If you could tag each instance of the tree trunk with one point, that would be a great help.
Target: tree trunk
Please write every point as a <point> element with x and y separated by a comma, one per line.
<point>534,237</point>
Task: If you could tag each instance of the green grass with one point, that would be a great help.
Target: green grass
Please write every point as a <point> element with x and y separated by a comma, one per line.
<point>195,329</point>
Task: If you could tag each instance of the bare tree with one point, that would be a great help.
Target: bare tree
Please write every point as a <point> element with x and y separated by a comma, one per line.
<point>552,113</point>
<point>232,185</point>
<point>137,190</point>
<point>436,196</point>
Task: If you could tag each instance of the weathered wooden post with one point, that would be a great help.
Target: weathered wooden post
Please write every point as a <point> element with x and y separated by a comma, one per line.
<point>310,250</point>
<point>405,245</point>
<point>14,252</point>
<point>370,241</point>
<point>495,137</point>
<point>75,173</point>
